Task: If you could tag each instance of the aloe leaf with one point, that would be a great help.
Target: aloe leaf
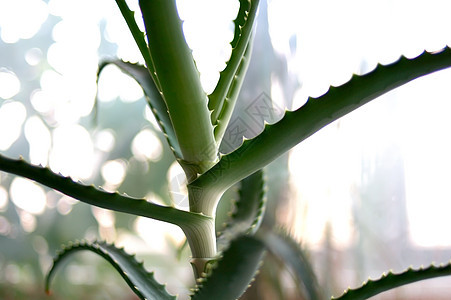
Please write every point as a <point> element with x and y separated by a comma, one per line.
<point>287,249</point>
<point>180,84</point>
<point>298,125</point>
<point>138,35</point>
<point>231,275</point>
<point>198,228</point>
<point>153,96</point>
<point>137,277</point>
<point>249,208</point>
<point>228,105</point>
<point>389,281</point>
<point>93,196</point>
<point>244,23</point>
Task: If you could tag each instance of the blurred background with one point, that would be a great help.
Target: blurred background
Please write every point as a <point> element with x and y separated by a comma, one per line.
<point>366,194</point>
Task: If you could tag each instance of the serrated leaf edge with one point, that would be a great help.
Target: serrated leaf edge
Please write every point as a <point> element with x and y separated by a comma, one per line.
<point>254,226</point>
<point>257,152</point>
<point>373,287</point>
<point>97,248</point>
<point>214,265</point>
<point>165,128</point>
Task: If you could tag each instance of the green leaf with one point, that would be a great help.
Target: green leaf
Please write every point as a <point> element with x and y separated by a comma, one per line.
<point>198,228</point>
<point>228,105</point>
<point>140,281</point>
<point>153,96</point>
<point>222,100</point>
<point>114,201</point>
<point>181,87</point>
<point>391,280</point>
<point>286,248</point>
<point>298,125</point>
<point>138,35</point>
<point>231,275</point>
<point>249,208</point>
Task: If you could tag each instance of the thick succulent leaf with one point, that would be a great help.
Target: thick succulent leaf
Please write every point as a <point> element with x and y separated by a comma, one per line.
<point>231,275</point>
<point>240,21</point>
<point>244,24</point>
<point>156,102</point>
<point>94,196</point>
<point>140,281</point>
<point>249,209</point>
<point>198,228</point>
<point>228,105</point>
<point>288,250</point>
<point>138,35</point>
<point>298,125</point>
<point>389,281</point>
<point>181,87</point>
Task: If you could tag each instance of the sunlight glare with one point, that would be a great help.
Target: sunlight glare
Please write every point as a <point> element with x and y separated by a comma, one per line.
<point>116,31</point>
<point>105,140</point>
<point>114,83</point>
<point>321,179</point>
<point>147,146</point>
<point>12,116</point>
<point>9,84</point>
<point>72,153</point>
<point>113,172</point>
<point>209,35</point>
<point>156,234</point>
<point>21,19</point>
<point>28,195</point>
<point>39,139</point>
<point>129,90</point>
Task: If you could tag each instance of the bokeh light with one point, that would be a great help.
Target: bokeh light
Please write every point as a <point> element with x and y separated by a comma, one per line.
<point>21,19</point>
<point>9,84</point>
<point>72,153</point>
<point>113,172</point>
<point>12,116</point>
<point>27,195</point>
<point>147,146</point>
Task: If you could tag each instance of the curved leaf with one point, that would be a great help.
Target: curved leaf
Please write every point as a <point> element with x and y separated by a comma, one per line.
<point>140,281</point>
<point>238,62</point>
<point>249,208</point>
<point>232,274</point>
<point>298,125</point>
<point>225,112</point>
<point>138,35</point>
<point>389,281</point>
<point>198,228</point>
<point>286,248</point>
<point>153,96</point>
<point>93,196</point>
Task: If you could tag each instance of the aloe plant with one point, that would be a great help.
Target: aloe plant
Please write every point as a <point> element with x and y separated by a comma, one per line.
<point>194,124</point>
